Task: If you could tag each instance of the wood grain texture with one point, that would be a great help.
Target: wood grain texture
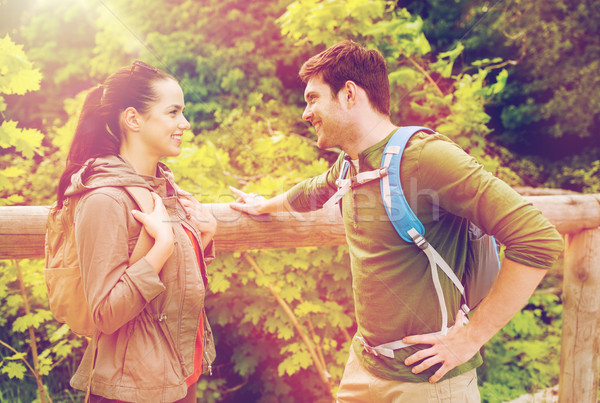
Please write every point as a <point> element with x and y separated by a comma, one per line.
<point>580,348</point>
<point>22,228</point>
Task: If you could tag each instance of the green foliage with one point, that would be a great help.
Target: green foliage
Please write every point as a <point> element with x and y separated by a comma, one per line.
<point>258,332</point>
<point>556,33</point>
<point>325,22</point>
<point>548,112</point>
<point>17,76</point>
<point>579,175</point>
<point>524,356</point>
<point>58,349</point>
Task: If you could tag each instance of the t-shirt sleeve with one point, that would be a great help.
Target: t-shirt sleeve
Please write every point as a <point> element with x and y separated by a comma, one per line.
<point>464,188</point>
<point>311,194</point>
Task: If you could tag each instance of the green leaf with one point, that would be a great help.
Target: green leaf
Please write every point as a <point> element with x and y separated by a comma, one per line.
<point>14,370</point>
<point>17,356</point>
<point>25,141</point>
<point>34,320</point>
<point>17,75</point>
<point>451,55</point>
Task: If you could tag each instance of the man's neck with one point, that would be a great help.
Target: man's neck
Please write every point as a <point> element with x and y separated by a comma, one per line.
<point>371,132</point>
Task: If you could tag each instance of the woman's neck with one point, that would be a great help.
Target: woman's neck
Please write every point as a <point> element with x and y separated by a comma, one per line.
<point>142,164</point>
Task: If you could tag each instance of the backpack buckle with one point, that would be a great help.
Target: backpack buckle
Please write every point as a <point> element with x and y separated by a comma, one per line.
<point>418,239</point>
<point>367,347</point>
<point>371,350</point>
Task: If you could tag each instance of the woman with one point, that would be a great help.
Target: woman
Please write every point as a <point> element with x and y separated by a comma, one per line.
<point>153,341</point>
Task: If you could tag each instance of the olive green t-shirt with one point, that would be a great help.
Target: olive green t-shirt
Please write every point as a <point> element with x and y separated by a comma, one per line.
<point>393,290</point>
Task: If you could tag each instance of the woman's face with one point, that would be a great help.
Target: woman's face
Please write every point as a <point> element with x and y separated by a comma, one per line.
<point>162,126</point>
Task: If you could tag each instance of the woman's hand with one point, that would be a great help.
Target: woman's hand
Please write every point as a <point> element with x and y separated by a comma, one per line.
<point>202,218</point>
<point>158,226</point>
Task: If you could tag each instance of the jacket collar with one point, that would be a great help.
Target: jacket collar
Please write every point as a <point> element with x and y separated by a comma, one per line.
<point>115,170</point>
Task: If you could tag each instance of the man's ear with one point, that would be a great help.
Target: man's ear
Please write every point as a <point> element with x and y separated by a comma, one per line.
<point>350,93</point>
<point>131,119</point>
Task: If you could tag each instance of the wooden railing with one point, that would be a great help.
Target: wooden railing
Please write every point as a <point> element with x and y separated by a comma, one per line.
<point>575,216</point>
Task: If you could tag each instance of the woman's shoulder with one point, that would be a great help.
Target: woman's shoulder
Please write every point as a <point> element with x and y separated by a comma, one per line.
<point>103,199</point>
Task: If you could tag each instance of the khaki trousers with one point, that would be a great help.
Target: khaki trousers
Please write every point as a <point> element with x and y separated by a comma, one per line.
<point>358,385</point>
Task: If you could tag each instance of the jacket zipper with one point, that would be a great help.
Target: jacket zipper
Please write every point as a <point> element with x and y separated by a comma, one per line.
<point>163,325</point>
<point>196,233</point>
<point>204,342</point>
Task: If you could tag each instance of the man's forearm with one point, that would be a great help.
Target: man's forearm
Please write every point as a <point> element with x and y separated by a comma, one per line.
<point>510,293</point>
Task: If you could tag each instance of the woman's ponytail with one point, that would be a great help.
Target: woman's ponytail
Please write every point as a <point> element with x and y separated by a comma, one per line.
<point>92,139</point>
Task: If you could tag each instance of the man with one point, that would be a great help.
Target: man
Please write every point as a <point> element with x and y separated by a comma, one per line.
<point>347,95</point>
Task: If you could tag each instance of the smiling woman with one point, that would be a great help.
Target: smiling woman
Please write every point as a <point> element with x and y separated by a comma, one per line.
<point>157,132</point>
<point>151,340</point>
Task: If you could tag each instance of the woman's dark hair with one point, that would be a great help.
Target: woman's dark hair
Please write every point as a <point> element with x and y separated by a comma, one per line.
<point>98,132</point>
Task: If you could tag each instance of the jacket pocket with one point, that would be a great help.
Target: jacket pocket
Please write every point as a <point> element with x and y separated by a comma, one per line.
<point>146,357</point>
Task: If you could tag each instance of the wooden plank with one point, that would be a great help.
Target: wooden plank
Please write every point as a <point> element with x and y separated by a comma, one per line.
<point>22,228</point>
<point>237,231</point>
<point>580,349</point>
<point>570,214</point>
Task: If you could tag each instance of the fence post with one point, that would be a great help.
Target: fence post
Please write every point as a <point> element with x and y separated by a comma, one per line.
<point>580,358</point>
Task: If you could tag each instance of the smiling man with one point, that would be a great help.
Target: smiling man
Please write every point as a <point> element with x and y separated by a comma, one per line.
<point>348,101</point>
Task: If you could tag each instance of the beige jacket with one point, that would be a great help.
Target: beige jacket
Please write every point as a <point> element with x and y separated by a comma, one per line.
<point>148,322</point>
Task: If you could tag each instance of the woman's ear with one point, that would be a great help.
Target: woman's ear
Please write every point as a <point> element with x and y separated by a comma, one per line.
<point>131,119</point>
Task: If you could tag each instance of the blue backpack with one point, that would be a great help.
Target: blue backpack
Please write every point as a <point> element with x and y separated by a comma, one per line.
<point>483,262</point>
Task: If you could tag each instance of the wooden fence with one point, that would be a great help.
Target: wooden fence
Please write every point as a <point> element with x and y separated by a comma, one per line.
<point>575,216</point>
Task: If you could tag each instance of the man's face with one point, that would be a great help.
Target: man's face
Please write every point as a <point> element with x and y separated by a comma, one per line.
<point>325,112</point>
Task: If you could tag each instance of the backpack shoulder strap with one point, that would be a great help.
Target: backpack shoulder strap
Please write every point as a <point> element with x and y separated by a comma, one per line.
<point>143,199</point>
<point>396,206</point>
<point>342,185</point>
<point>404,220</point>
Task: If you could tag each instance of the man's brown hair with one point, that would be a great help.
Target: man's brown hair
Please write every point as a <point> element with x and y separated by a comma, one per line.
<point>349,61</point>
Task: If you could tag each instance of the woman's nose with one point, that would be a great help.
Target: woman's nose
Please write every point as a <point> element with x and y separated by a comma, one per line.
<point>184,125</point>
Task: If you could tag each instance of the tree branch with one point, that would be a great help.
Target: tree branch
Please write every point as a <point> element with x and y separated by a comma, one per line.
<point>418,67</point>
<point>323,373</point>
<point>32,343</point>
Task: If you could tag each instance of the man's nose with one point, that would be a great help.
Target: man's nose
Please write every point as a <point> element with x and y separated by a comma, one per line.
<point>307,114</point>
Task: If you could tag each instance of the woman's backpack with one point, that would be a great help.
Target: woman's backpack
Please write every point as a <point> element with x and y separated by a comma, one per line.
<point>62,271</point>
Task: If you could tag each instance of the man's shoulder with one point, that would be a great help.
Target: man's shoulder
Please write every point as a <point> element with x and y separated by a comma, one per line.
<point>433,147</point>
<point>422,138</point>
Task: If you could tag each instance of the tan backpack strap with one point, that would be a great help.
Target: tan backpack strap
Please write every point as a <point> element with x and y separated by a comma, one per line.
<point>94,342</point>
<point>143,199</point>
